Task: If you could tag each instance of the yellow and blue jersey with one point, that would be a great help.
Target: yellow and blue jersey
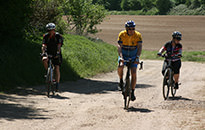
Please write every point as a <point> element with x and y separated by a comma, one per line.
<point>129,43</point>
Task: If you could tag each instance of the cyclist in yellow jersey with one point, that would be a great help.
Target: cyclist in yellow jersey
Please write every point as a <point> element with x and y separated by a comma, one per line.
<point>129,46</point>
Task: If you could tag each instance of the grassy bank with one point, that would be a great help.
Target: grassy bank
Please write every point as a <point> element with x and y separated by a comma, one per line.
<point>195,56</point>
<point>21,64</point>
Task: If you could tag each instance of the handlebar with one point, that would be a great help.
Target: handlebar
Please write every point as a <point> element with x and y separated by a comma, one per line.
<point>170,56</point>
<point>132,61</point>
<point>49,56</point>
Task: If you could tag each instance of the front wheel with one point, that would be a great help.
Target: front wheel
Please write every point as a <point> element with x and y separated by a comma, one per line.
<point>166,83</point>
<point>48,82</point>
<point>173,90</point>
<point>127,93</point>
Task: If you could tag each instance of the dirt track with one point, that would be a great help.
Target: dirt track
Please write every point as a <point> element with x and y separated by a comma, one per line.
<point>95,104</point>
<point>156,30</point>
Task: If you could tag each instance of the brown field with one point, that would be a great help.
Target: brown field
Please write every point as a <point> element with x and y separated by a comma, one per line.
<point>156,30</point>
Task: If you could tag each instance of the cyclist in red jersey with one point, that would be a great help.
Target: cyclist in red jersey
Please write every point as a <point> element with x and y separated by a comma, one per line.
<point>173,47</point>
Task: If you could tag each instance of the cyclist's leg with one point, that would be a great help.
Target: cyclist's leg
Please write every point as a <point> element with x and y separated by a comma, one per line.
<point>176,68</point>
<point>57,72</point>
<point>134,77</point>
<point>57,62</point>
<point>133,80</point>
<point>120,73</point>
<point>45,62</point>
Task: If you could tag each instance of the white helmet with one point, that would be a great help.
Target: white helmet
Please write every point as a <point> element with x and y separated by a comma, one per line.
<point>50,26</point>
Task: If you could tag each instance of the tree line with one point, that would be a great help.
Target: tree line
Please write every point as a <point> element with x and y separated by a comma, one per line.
<point>161,6</point>
<point>25,18</point>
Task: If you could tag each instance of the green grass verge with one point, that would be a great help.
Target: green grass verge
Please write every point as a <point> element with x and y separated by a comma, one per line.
<point>88,58</point>
<point>21,65</point>
<point>195,56</point>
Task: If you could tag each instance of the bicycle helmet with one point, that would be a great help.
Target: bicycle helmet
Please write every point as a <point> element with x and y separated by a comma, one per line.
<point>177,35</point>
<point>130,23</point>
<point>50,26</point>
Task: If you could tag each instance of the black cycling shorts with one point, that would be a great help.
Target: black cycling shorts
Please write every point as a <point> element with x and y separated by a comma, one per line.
<point>57,61</point>
<point>175,64</point>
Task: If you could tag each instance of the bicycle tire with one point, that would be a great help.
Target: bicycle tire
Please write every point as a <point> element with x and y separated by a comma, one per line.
<point>173,90</point>
<point>127,94</point>
<point>48,82</point>
<point>166,86</point>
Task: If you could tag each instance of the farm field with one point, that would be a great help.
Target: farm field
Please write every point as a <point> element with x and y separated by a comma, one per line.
<point>156,30</point>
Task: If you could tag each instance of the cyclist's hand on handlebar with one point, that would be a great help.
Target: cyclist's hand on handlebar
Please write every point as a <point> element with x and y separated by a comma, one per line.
<point>179,55</point>
<point>121,59</point>
<point>57,55</point>
<point>159,54</point>
<point>44,54</point>
<point>137,60</point>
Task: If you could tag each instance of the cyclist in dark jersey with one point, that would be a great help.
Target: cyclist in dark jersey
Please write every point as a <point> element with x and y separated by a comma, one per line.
<point>52,43</point>
<point>173,47</point>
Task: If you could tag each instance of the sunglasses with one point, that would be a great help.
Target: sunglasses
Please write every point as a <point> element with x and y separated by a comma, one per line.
<point>131,28</point>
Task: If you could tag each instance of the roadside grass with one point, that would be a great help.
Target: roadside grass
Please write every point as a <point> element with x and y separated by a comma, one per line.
<point>21,64</point>
<point>88,58</point>
<point>194,56</point>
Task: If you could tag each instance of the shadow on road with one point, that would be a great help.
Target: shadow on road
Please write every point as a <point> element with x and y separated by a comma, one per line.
<point>13,110</point>
<point>142,110</point>
<point>180,98</point>
<point>82,86</point>
<point>87,86</point>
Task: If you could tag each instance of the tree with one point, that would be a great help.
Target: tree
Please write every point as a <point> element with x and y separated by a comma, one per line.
<point>188,3</point>
<point>124,5</point>
<point>135,5</point>
<point>163,6</point>
<point>14,17</point>
<point>43,12</point>
<point>178,2</point>
<point>195,4</point>
<point>146,4</point>
<point>83,16</point>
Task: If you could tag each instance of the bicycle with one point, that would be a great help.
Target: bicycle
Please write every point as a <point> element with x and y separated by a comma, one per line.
<point>127,88</point>
<point>50,83</point>
<point>168,80</point>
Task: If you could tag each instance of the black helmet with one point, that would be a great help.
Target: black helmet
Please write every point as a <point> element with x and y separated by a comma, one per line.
<point>50,26</point>
<point>130,23</point>
<point>177,35</point>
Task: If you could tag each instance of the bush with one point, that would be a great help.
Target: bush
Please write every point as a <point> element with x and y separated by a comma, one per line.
<point>83,16</point>
<point>183,10</point>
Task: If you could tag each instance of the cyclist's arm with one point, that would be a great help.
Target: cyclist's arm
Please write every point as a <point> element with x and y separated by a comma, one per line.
<point>58,48</point>
<point>43,48</point>
<point>139,49</point>
<point>162,50</point>
<point>119,50</point>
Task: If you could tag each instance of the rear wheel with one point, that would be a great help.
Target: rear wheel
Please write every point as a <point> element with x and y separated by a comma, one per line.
<point>166,83</point>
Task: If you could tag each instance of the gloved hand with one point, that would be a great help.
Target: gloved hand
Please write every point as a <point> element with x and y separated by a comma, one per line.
<point>44,54</point>
<point>57,55</point>
<point>179,55</point>
<point>159,54</point>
